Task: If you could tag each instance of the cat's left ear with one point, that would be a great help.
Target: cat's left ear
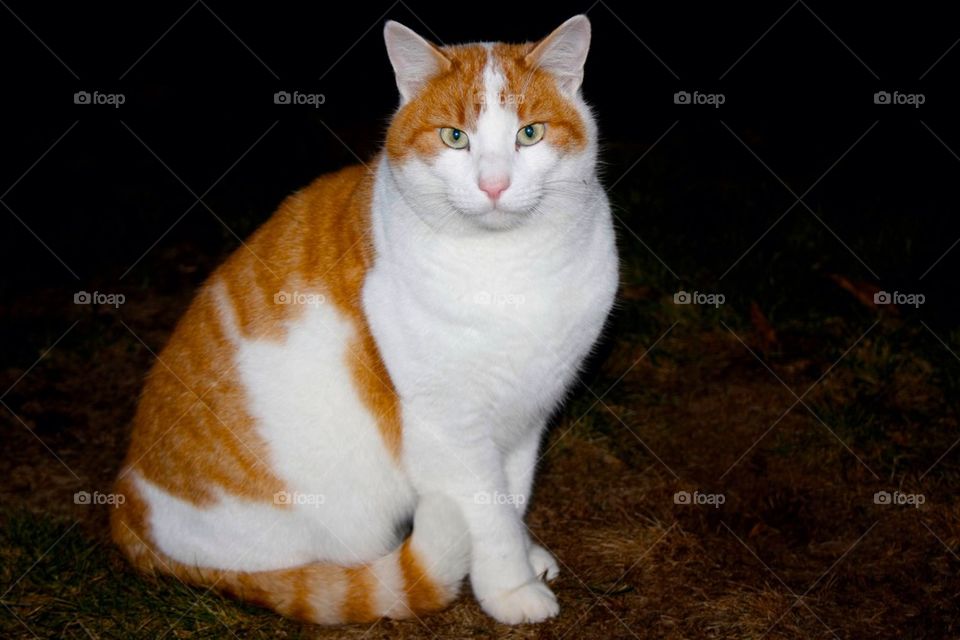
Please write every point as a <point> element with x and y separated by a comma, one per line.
<point>563,53</point>
<point>414,59</point>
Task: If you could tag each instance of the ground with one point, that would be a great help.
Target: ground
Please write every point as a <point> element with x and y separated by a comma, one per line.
<point>783,419</point>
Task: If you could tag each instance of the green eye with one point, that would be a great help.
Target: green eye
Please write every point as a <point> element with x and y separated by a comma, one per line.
<point>454,138</point>
<point>531,134</point>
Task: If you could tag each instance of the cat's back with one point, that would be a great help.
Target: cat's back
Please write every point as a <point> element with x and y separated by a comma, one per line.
<point>310,256</point>
<point>312,228</point>
<point>270,370</point>
<point>315,242</point>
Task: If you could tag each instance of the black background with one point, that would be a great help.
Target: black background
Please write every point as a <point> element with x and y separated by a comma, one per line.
<point>199,80</point>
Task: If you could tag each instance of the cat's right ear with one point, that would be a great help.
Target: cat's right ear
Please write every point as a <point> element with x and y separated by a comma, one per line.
<point>414,59</point>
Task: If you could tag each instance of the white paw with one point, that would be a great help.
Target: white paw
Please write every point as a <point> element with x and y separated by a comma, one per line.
<point>531,602</point>
<point>543,562</point>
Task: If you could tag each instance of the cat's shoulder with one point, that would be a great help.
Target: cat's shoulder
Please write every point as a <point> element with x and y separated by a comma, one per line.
<point>350,185</point>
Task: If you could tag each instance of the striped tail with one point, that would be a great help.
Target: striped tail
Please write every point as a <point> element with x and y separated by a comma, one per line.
<point>423,575</point>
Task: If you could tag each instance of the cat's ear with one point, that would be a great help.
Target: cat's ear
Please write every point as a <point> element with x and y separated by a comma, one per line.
<point>414,59</point>
<point>563,53</point>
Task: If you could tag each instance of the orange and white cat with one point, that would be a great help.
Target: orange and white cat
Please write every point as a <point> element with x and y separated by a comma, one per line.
<point>385,352</point>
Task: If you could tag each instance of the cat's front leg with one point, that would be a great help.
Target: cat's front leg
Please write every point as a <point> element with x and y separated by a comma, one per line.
<point>520,466</point>
<point>465,464</point>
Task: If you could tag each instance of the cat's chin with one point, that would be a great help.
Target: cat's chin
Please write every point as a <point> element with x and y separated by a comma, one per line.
<point>498,219</point>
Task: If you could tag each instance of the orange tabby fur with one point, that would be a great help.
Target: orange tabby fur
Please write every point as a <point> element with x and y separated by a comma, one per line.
<point>192,435</point>
<point>317,239</point>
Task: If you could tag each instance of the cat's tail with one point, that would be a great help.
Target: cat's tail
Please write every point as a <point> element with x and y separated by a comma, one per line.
<point>424,574</point>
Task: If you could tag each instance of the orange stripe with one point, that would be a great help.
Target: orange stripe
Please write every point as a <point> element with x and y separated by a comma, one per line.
<point>358,602</point>
<point>300,606</point>
<point>422,593</point>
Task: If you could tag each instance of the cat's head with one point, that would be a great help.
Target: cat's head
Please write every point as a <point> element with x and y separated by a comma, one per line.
<point>491,133</point>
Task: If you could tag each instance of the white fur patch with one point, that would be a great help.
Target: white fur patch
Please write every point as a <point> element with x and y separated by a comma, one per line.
<point>233,534</point>
<point>324,442</point>
<point>342,495</point>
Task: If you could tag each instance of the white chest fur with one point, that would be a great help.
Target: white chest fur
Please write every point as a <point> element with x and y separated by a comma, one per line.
<point>490,326</point>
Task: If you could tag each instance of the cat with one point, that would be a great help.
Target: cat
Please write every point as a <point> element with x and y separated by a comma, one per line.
<point>345,422</point>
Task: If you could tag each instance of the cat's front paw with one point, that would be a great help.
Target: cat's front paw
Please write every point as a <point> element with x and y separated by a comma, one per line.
<point>543,563</point>
<point>530,602</point>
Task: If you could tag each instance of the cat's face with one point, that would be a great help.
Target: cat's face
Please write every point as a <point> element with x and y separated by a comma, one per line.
<point>489,133</point>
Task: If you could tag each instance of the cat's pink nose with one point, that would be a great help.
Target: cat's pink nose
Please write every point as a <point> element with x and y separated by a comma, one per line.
<point>493,187</point>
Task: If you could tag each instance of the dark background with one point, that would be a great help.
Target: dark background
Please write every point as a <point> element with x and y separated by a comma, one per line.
<point>201,94</point>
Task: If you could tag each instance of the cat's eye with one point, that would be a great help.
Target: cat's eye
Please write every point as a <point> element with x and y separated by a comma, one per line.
<point>531,134</point>
<point>454,138</point>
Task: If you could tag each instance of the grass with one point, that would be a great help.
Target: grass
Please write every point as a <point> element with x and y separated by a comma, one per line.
<point>798,548</point>
<point>74,586</point>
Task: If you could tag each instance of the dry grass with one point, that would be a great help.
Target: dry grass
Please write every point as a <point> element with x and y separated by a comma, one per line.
<point>798,549</point>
